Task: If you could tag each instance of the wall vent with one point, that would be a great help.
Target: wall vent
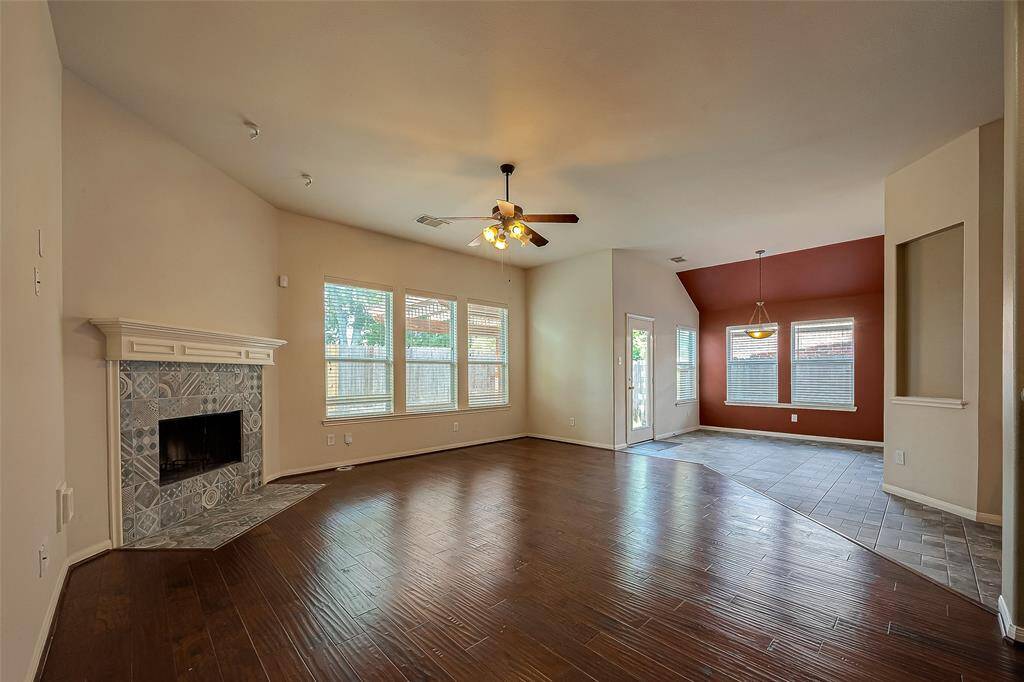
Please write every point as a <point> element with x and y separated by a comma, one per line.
<point>677,259</point>
<point>431,221</point>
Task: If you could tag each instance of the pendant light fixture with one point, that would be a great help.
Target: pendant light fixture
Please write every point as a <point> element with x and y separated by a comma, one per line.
<point>760,325</point>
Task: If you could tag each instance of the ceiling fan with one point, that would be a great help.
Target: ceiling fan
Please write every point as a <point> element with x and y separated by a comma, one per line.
<point>512,223</point>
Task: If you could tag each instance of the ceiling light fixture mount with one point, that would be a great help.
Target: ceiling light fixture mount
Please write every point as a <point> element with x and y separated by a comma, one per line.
<point>760,325</point>
<point>254,130</point>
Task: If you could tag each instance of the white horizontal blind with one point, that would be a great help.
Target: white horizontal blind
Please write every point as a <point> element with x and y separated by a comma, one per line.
<point>431,361</point>
<point>358,350</point>
<point>752,367</point>
<point>488,355</point>
<point>686,364</point>
<point>823,362</point>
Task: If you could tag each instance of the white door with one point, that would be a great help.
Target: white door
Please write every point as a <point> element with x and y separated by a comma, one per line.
<point>639,392</point>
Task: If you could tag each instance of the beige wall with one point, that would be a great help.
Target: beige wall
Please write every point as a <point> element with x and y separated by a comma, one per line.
<point>31,403</point>
<point>151,232</point>
<point>570,324</point>
<point>641,288</point>
<point>311,249</point>
<point>990,319</point>
<point>930,314</point>
<point>1012,592</point>
<point>944,461</point>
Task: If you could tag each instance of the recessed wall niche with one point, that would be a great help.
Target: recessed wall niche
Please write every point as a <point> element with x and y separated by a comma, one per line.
<point>930,315</point>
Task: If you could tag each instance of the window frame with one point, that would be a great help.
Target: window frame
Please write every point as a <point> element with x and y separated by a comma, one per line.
<point>728,356</point>
<point>454,363</point>
<point>390,362</point>
<point>696,364</point>
<point>850,406</point>
<point>505,363</point>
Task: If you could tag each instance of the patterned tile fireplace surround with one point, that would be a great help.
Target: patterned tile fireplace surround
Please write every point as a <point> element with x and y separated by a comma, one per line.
<point>157,372</point>
<point>149,391</point>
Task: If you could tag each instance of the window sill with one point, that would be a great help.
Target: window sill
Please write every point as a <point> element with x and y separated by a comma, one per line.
<point>948,403</point>
<point>686,402</point>
<point>796,406</point>
<point>331,421</point>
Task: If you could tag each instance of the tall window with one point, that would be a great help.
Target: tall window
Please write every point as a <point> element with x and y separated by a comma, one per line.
<point>358,350</point>
<point>431,361</point>
<point>752,368</point>
<point>488,355</point>
<point>686,364</point>
<point>823,362</point>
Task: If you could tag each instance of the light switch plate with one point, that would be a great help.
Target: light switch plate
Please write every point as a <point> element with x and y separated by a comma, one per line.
<point>900,457</point>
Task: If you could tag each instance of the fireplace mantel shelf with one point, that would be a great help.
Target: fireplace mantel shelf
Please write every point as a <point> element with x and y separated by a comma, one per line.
<point>138,340</point>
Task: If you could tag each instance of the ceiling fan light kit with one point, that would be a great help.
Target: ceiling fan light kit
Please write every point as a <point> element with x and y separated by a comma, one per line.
<point>510,221</point>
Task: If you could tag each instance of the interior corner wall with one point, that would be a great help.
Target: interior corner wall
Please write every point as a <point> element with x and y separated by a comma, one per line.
<point>311,249</point>
<point>31,403</point>
<point>864,424</point>
<point>152,232</point>
<point>944,459</point>
<point>641,288</point>
<point>569,346</point>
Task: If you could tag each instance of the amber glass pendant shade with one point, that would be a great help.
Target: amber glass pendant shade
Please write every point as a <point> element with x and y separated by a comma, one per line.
<point>760,324</point>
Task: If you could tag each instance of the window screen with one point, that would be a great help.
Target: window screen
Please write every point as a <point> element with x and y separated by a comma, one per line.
<point>431,361</point>
<point>686,364</point>
<point>752,369</point>
<point>823,362</point>
<point>358,350</point>
<point>488,355</point>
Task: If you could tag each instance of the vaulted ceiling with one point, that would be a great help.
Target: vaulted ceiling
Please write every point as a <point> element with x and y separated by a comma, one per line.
<point>698,129</point>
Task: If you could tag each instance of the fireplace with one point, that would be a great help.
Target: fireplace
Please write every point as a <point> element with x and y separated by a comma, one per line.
<point>190,446</point>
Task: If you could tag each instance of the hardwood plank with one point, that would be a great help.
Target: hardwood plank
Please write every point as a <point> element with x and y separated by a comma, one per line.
<point>522,560</point>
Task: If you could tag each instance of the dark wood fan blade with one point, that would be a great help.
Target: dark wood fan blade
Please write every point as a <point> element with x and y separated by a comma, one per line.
<point>536,239</point>
<point>466,217</point>
<point>551,218</point>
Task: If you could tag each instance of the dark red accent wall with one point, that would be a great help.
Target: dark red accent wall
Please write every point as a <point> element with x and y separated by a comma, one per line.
<point>851,284</point>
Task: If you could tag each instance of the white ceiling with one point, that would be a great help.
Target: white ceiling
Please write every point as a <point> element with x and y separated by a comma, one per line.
<point>706,130</point>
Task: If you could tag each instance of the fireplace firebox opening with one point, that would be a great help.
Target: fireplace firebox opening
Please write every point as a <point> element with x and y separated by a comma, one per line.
<point>190,446</point>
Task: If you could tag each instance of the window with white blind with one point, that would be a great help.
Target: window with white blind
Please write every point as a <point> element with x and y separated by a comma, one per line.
<point>752,367</point>
<point>686,364</point>
<point>431,361</point>
<point>358,350</point>
<point>823,362</point>
<point>487,328</point>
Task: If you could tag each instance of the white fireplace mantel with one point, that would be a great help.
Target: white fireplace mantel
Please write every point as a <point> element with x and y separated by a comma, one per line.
<point>138,340</point>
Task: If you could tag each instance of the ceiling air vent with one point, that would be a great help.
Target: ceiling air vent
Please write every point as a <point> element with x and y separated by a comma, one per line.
<point>677,259</point>
<point>431,221</point>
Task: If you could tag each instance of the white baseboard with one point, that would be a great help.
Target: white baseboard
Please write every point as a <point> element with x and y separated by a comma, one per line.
<point>971,514</point>
<point>795,436</point>
<point>51,608</point>
<point>323,466</point>
<point>1010,631</point>
<point>571,441</point>
<point>670,434</point>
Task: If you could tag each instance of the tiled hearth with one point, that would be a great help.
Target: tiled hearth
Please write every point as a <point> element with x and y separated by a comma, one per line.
<point>151,391</point>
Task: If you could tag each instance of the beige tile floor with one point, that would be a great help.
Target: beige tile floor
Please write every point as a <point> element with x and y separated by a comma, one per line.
<point>841,486</point>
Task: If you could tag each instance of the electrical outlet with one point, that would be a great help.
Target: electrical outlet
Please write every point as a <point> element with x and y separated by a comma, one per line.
<point>331,439</point>
<point>900,457</point>
<point>572,422</point>
<point>455,427</point>
<point>793,418</point>
<point>44,559</point>
<point>348,439</point>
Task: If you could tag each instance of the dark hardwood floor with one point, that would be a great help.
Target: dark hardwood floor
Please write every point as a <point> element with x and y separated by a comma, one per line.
<point>522,560</point>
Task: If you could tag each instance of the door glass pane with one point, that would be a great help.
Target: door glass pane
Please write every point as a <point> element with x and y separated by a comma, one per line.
<point>641,344</point>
